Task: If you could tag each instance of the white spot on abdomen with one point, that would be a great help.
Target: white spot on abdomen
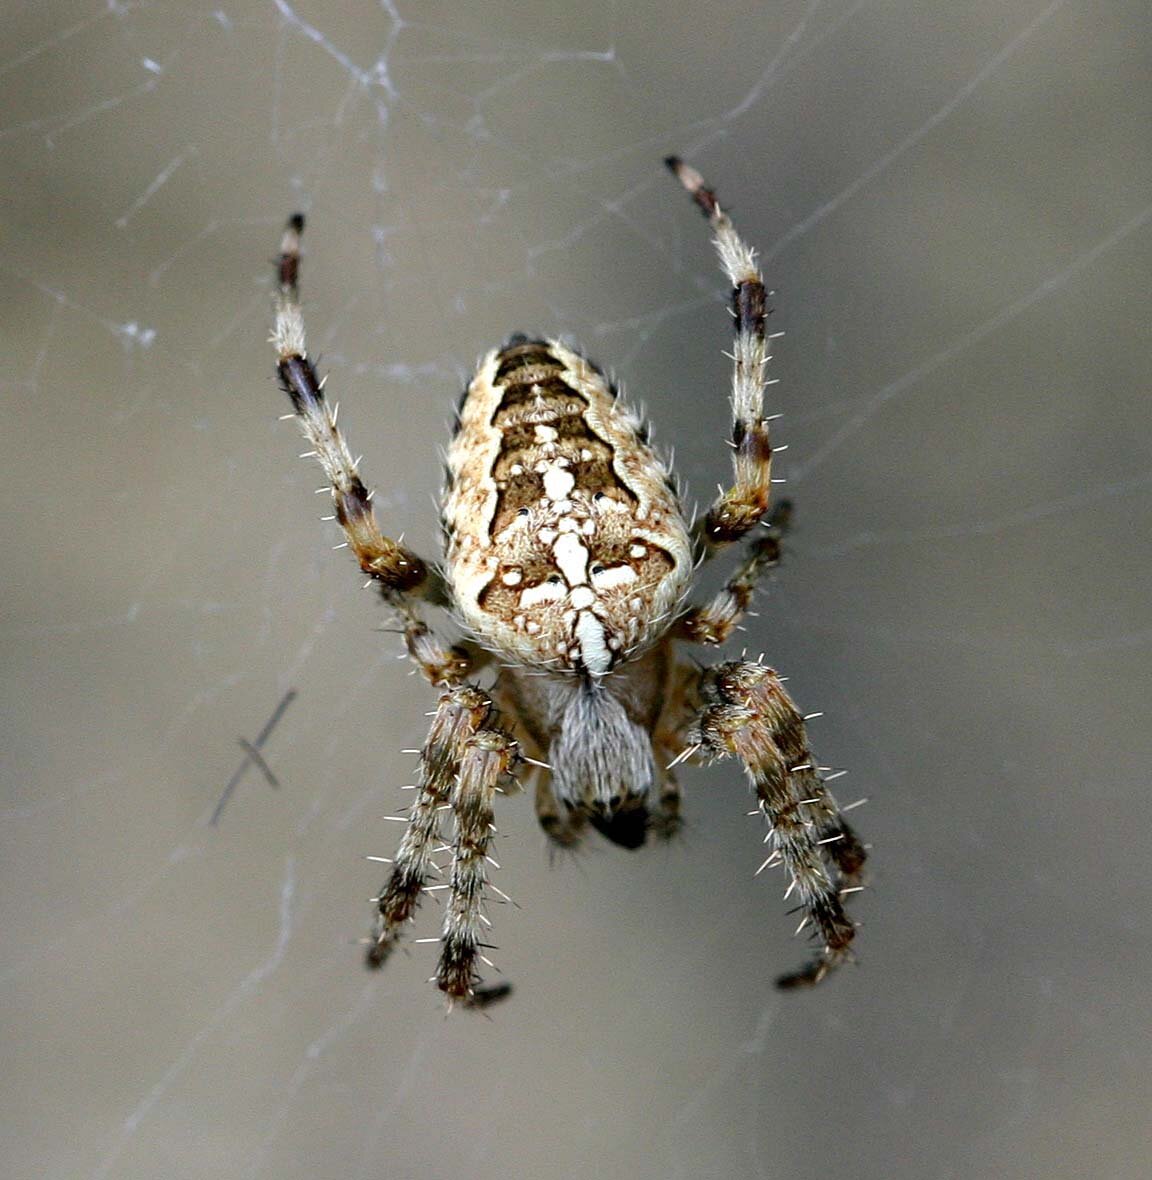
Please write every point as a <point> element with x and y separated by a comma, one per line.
<point>614,575</point>
<point>545,592</point>
<point>593,647</point>
<point>558,483</point>
<point>571,557</point>
<point>582,597</point>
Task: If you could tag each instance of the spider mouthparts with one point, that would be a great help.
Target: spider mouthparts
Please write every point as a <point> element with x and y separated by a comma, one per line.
<point>626,827</point>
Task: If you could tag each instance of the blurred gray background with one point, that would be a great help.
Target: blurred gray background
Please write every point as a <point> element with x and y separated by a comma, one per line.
<point>953,206</point>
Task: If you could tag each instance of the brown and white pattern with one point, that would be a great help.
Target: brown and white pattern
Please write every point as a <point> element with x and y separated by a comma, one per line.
<point>568,562</point>
<point>567,548</point>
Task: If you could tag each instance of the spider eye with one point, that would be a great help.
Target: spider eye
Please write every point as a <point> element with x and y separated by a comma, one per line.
<point>522,512</point>
<point>598,496</point>
<point>597,568</point>
<point>553,579</point>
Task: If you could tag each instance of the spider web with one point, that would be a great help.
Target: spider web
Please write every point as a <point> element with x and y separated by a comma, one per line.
<point>952,202</point>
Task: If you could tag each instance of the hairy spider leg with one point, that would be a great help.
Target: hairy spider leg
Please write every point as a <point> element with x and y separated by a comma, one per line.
<point>396,569</point>
<point>460,715</point>
<point>738,510</point>
<point>486,765</point>
<point>400,574</point>
<point>713,623</point>
<point>465,760</point>
<point>748,714</point>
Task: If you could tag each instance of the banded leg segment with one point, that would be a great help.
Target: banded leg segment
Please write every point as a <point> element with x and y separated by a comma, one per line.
<point>739,509</point>
<point>460,715</point>
<point>442,664</point>
<point>398,571</point>
<point>835,836</point>
<point>486,766</point>
<point>747,714</point>
<point>715,621</point>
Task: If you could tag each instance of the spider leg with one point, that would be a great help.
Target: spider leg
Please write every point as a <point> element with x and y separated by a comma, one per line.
<point>563,830</point>
<point>442,664</point>
<point>460,715</point>
<point>747,713</point>
<point>400,574</point>
<point>397,571</point>
<point>739,509</point>
<point>666,818</point>
<point>488,760</point>
<point>671,746</point>
<point>715,621</point>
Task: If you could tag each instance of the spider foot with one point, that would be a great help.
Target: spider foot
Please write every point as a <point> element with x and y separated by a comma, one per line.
<point>486,995</point>
<point>810,974</point>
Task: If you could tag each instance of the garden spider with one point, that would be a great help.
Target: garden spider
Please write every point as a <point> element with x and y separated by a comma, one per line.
<point>568,559</point>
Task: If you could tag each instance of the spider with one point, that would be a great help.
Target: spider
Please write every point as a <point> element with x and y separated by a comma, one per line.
<point>568,560</point>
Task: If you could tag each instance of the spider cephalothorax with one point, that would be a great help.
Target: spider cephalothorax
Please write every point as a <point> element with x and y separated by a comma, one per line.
<point>568,561</point>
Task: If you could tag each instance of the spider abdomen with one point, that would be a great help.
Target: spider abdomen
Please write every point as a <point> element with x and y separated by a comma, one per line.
<point>567,546</point>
